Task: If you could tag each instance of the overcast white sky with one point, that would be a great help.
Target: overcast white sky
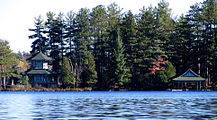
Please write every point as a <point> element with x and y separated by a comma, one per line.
<point>17,16</point>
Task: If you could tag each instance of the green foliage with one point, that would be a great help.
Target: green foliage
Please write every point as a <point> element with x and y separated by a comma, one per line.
<point>149,45</point>
<point>24,80</point>
<point>40,41</point>
<point>89,74</point>
<point>129,40</point>
<point>81,34</point>
<point>163,78</point>
<point>120,70</point>
<point>170,70</point>
<point>69,33</point>
<point>183,39</point>
<point>195,40</point>
<point>164,27</point>
<point>101,48</point>
<point>8,64</point>
<point>101,57</point>
<point>67,77</point>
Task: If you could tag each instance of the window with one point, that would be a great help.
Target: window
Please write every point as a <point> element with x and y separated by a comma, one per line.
<point>37,64</point>
<point>45,65</point>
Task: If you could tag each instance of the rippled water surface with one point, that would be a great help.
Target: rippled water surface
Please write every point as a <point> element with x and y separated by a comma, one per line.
<point>108,105</point>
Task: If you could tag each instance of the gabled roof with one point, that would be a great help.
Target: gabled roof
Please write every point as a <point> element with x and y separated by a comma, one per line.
<point>189,75</point>
<point>40,56</point>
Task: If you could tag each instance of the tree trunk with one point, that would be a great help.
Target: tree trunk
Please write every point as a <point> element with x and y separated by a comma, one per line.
<point>207,76</point>
<point>4,82</point>
<point>198,59</point>
<point>4,77</point>
<point>1,75</point>
<point>12,82</point>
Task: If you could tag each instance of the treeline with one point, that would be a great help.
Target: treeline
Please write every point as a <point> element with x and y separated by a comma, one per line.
<point>106,48</point>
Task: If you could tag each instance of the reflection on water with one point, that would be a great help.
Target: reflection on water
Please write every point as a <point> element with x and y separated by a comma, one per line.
<point>108,105</point>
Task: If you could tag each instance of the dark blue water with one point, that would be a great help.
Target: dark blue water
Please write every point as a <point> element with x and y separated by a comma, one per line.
<point>107,105</point>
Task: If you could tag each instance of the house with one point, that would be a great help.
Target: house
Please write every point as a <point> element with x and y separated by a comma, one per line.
<point>189,80</point>
<point>40,72</point>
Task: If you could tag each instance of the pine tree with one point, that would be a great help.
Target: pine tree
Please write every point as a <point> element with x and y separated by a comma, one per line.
<point>164,27</point>
<point>82,33</point>
<point>8,63</point>
<point>202,18</point>
<point>69,35</point>
<point>120,69</point>
<point>100,39</point>
<point>129,39</point>
<point>208,20</point>
<point>114,16</point>
<point>55,28</point>
<point>113,20</point>
<point>184,41</point>
<point>40,41</point>
<point>68,79</point>
<point>60,22</point>
<point>148,47</point>
<point>89,74</point>
<point>81,41</point>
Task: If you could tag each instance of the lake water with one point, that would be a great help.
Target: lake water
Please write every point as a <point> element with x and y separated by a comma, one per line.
<point>107,105</point>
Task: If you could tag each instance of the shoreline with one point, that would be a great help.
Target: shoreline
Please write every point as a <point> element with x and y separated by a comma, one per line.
<point>89,89</point>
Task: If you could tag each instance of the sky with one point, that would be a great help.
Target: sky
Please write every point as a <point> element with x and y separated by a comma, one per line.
<point>17,16</point>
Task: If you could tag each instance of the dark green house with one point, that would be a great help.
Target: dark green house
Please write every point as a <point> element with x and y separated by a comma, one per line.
<point>40,72</point>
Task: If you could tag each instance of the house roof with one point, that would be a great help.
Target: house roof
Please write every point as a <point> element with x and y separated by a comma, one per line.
<point>189,75</point>
<point>40,56</point>
<point>35,72</point>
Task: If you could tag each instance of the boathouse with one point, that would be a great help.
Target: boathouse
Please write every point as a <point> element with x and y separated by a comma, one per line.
<point>189,80</point>
<point>40,72</point>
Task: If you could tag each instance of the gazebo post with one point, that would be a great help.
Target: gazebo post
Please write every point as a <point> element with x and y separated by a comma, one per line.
<point>200,85</point>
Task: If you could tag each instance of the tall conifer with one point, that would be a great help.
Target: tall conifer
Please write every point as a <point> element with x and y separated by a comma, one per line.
<point>99,35</point>
<point>120,69</point>
<point>129,40</point>
<point>40,40</point>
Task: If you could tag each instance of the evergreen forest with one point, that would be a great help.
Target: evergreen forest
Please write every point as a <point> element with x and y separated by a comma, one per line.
<point>106,47</point>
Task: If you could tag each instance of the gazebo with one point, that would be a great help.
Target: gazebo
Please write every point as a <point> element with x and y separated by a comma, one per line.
<point>189,77</point>
<point>40,72</point>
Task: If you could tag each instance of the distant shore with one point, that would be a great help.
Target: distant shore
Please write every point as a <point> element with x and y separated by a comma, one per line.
<point>46,89</point>
<point>86,89</point>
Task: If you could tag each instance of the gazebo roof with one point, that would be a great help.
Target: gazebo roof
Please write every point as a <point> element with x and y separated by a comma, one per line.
<point>40,56</point>
<point>189,75</point>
